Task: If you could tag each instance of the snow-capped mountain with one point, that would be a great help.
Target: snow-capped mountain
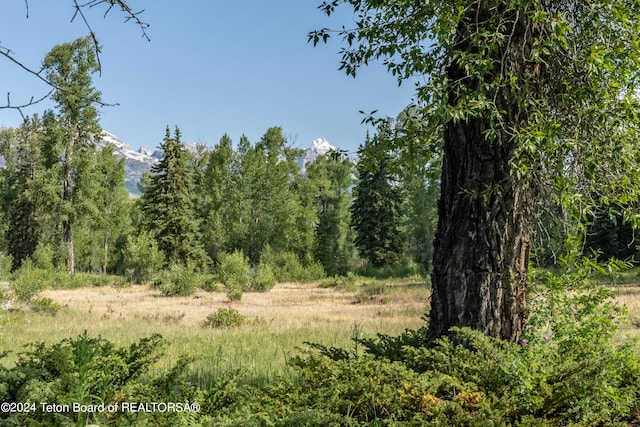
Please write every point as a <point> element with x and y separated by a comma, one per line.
<point>319,147</point>
<point>137,162</point>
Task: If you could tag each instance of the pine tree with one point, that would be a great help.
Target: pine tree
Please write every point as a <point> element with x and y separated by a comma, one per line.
<point>167,204</point>
<point>23,213</point>
<point>330,177</point>
<point>376,210</point>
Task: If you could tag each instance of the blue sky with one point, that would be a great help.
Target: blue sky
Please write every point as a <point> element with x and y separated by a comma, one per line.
<point>211,67</point>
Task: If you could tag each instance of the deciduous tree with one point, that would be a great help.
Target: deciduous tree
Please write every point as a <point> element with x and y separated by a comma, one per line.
<point>528,96</point>
<point>70,67</point>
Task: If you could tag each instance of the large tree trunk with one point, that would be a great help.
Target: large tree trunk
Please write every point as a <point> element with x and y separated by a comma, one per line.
<point>482,244</point>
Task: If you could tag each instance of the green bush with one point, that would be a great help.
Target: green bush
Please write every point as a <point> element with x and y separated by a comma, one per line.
<point>406,267</point>
<point>177,281</point>
<point>43,257</point>
<point>92,371</point>
<point>346,283</point>
<point>287,267</point>
<point>209,283</point>
<point>45,305</point>
<point>235,273</point>
<point>370,290</point>
<point>225,318</point>
<point>142,258</point>
<point>29,280</point>
<point>263,278</point>
<point>566,369</point>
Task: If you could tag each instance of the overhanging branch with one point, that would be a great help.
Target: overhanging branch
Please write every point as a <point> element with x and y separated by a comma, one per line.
<point>130,15</point>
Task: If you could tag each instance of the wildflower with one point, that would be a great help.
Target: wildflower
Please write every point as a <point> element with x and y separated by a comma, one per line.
<point>525,341</point>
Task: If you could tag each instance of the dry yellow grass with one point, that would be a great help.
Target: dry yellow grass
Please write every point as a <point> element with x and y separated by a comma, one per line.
<point>280,321</point>
<point>286,307</point>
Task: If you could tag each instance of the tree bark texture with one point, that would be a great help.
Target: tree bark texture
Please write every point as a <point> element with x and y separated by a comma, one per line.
<point>67,234</point>
<point>482,243</point>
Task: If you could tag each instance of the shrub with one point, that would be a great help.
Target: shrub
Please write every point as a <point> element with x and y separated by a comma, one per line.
<point>177,281</point>
<point>225,318</point>
<point>405,267</point>
<point>29,280</point>
<point>346,283</point>
<point>92,371</point>
<point>370,290</point>
<point>263,278</point>
<point>286,266</point>
<point>565,371</point>
<point>209,283</point>
<point>142,258</point>
<point>45,305</point>
<point>234,271</point>
<point>44,255</point>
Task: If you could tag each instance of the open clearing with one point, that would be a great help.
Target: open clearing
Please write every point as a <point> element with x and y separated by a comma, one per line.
<point>287,306</point>
<point>279,321</point>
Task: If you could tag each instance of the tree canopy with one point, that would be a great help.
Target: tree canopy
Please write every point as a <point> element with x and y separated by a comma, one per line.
<point>528,99</point>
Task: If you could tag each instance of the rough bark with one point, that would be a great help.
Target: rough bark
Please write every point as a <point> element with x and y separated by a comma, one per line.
<point>482,242</point>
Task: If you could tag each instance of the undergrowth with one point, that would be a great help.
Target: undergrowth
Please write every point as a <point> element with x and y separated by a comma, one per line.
<point>565,370</point>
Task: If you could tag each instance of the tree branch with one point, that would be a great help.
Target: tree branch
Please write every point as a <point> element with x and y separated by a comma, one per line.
<point>130,15</point>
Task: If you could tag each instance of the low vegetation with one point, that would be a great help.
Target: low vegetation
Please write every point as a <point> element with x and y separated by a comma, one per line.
<point>330,352</point>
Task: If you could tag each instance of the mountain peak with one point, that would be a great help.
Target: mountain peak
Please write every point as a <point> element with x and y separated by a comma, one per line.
<point>319,147</point>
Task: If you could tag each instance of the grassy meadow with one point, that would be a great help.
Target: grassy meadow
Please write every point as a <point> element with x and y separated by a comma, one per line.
<point>278,322</point>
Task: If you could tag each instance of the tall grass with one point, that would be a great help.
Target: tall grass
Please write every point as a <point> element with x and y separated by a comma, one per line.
<point>278,324</point>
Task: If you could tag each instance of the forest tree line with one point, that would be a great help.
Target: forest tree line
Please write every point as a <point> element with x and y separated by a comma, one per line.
<point>341,214</point>
<point>337,214</point>
<point>64,203</point>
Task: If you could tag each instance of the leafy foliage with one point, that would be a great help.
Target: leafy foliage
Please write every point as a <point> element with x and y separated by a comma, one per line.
<point>225,318</point>
<point>263,278</point>
<point>286,266</point>
<point>142,257</point>
<point>235,274</point>
<point>178,280</point>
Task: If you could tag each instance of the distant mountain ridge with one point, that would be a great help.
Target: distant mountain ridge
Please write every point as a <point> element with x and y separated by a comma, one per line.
<point>137,162</point>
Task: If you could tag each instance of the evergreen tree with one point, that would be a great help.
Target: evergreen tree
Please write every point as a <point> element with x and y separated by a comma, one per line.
<point>330,176</point>
<point>376,210</point>
<point>23,214</point>
<point>167,205</point>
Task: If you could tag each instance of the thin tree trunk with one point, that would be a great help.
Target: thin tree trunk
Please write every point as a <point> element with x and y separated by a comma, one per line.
<point>105,253</point>
<point>67,189</point>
